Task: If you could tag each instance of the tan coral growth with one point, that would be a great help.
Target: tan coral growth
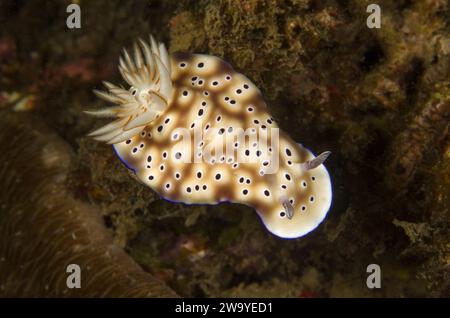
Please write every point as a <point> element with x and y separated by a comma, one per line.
<point>43,228</point>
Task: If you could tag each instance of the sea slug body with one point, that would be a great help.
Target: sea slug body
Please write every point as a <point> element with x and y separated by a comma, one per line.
<point>198,132</point>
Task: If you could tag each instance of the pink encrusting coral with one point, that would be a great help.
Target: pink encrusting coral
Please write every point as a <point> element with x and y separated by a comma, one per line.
<point>196,131</point>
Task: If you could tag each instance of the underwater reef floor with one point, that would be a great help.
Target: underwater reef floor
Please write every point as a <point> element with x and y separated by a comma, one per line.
<point>378,99</point>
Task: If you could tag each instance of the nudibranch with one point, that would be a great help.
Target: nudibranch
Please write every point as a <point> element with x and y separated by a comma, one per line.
<point>198,132</point>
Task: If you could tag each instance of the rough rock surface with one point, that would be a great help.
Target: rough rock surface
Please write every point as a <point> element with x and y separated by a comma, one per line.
<point>377,98</point>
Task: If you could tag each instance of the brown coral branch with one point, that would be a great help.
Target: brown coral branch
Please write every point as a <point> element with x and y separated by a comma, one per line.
<point>43,228</point>
<point>420,135</point>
